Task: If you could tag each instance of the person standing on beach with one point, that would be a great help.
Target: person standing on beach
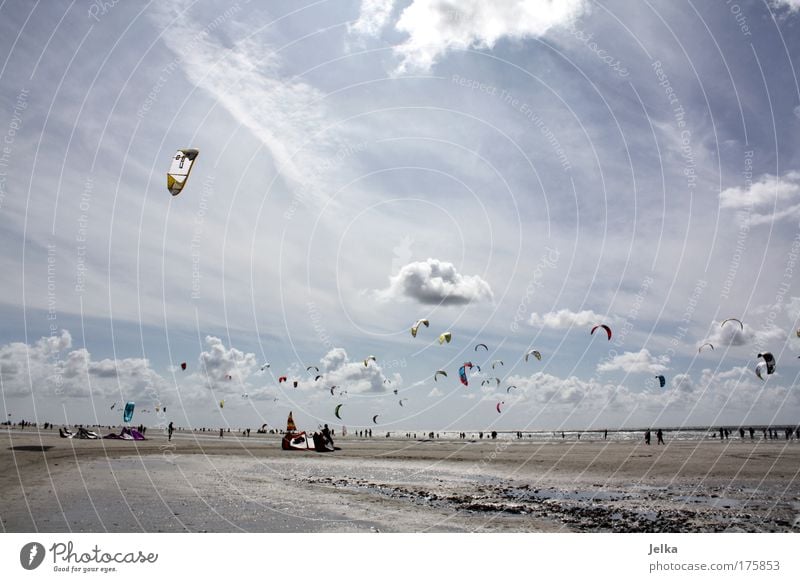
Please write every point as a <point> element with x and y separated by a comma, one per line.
<point>647,437</point>
<point>221,432</point>
<point>170,428</point>
<point>660,437</point>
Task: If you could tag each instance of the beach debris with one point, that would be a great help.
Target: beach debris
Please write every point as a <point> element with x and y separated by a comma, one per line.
<point>415,327</point>
<point>179,170</point>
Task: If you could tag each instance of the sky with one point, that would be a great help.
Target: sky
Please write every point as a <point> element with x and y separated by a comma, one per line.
<point>515,172</point>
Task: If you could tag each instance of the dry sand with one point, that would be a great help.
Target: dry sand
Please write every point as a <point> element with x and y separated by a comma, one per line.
<point>203,483</point>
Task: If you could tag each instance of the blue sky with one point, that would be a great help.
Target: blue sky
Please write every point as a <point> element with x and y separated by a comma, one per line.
<point>516,172</point>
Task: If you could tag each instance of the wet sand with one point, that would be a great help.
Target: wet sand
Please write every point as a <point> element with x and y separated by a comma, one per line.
<point>203,483</point>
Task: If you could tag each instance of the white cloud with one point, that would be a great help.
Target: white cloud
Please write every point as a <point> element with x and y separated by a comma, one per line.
<point>435,282</point>
<point>731,334</point>
<point>222,366</point>
<point>435,393</point>
<point>767,191</point>
<point>636,362</point>
<point>438,26</point>
<point>337,369</point>
<point>372,18</point>
<point>564,318</point>
<point>244,78</point>
<point>45,370</point>
<point>791,5</point>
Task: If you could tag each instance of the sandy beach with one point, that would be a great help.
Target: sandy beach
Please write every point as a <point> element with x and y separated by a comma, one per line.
<point>202,483</point>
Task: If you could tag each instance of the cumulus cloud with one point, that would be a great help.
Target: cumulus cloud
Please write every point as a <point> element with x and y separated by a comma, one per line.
<point>635,362</point>
<point>769,190</point>
<point>372,18</point>
<point>337,369</point>
<point>221,365</point>
<point>435,27</point>
<point>731,334</point>
<point>50,368</point>
<point>564,318</point>
<point>433,282</point>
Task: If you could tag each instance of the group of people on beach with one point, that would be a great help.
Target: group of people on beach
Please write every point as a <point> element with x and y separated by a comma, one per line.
<point>659,436</point>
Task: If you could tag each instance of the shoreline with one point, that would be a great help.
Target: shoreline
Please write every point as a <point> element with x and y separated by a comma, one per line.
<point>250,484</point>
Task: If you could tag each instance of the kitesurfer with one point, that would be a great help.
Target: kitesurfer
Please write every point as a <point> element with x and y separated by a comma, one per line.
<point>326,434</point>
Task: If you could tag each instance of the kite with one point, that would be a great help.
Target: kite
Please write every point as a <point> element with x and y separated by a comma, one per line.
<point>332,389</point>
<point>281,379</point>
<point>375,419</point>
<point>761,367</point>
<point>535,353</point>
<point>605,327</point>
<point>127,416</point>
<point>498,406</point>
<point>366,362</point>
<point>401,401</point>
<point>395,391</point>
<point>222,404</point>
<point>436,375</point>
<point>462,373</point>
<point>741,325</point>
<point>336,412</point>
<point>419,322</point>
<point>309,368</point>
<point>445,337</point>
<point>265,366</point>
<point>485,347</point>
<point>662,380</point>
<point>700,349</point>
<point>769,360</point>
<point>508,390</point>
<point>179,170</point>
<point>294,383</point>
<point>317,378</point>
<point>183,365</point>
<point>497,362</point>
<point>113,405</point>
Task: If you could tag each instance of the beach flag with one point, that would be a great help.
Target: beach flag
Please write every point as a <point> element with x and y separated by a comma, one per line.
<point>290,426</point>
